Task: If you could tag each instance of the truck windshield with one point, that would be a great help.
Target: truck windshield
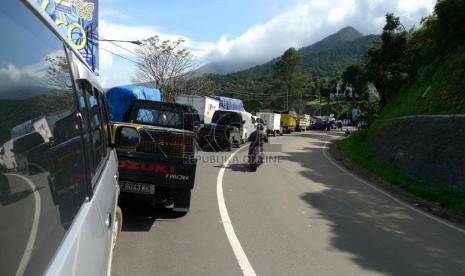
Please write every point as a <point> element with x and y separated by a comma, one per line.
<point>161,118</point>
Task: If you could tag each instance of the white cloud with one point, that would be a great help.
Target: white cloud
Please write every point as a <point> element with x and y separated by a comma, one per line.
<point>11,74</point>
<point>303,25</point>
<point>114,54</point>
<point>311,21</point>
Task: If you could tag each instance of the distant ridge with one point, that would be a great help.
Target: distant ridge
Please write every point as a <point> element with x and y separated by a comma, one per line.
<point>347,45</point>
<point>328,57</point>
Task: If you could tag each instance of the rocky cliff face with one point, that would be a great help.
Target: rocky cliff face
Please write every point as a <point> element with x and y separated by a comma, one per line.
<point>430,148</point>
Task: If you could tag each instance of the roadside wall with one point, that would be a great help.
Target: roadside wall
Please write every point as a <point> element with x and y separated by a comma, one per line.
<point>430,148</point>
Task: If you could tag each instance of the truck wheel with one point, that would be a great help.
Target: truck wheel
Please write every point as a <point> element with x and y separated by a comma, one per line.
<point>182,202</point>
<point>117,229</point>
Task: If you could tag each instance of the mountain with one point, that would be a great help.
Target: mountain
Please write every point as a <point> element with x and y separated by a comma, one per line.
<point>338,39</point>
<point>332,61</point>
<point>224,67</point>
<point>328,57</point>
<point>344,35</point>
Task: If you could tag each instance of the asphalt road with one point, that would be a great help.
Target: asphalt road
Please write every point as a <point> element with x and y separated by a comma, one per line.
<point>299,214</point>
<point>28,219</point>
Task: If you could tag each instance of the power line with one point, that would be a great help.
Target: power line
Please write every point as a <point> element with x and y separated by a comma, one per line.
<point>117,45</point>
<point>135,62</point>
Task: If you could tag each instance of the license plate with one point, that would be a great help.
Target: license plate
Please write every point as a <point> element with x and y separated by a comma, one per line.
<point>136,188</point>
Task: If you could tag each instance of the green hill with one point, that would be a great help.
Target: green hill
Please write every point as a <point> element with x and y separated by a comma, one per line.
<point>326,58</point>
<point>416,141</point>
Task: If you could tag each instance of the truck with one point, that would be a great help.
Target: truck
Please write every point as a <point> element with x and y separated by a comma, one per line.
<point>120,97</point>
<point>227,103</point>
<point>227,130</point>
<point>204,105</point>
<point>7,156</point>
<point>230,125</point>
<point>44,125</point>
<point>303,122</point>
<point>248,125</point>
<point>272,122</point>
<point>288,121</point>
<point>156,148</point>
<point>29,140</point>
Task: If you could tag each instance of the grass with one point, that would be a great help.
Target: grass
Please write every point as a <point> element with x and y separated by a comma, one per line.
<point>356,148</point>
<point>438,88</point>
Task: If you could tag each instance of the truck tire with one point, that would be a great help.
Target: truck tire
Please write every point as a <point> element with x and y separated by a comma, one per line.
<point>182,202</point>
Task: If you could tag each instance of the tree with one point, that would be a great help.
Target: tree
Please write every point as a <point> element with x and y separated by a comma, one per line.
<point>57,81</point>
<point>353,75</point>
<point>385,67</point>
<point>287,72</point>
<point>168,67</point>
<point>450,14</point>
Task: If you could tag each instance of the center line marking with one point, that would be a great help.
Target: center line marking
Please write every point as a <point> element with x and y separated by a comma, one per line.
<point>244,263</point>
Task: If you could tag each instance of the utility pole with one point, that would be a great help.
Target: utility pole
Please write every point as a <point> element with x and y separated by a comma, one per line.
<point>287,100</point>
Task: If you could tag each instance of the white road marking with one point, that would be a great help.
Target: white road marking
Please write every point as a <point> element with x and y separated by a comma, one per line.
<point>325,149</point>
<point>244,263</point>
<point>35,224</point>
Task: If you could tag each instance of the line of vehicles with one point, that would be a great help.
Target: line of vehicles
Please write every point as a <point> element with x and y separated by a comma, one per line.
<point>69,150</point>
<point>225,123</point>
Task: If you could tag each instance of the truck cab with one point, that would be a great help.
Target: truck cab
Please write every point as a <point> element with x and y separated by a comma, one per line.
<point>157,153</point>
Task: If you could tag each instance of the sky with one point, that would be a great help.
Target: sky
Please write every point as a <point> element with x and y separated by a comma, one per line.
<point>237,30</point>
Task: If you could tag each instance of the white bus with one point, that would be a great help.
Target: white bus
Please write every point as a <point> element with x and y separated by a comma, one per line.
<point>61,217</point>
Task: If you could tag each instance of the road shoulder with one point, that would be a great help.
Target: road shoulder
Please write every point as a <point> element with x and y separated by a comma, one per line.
<point>425,205</point>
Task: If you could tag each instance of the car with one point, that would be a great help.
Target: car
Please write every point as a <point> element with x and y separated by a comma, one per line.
<point>362,124</point>
<point>59,210</point>
<point>319,125</point>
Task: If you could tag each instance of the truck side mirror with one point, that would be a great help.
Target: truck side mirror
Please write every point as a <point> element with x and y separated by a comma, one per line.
<point>127,138</point>
<point>243,121</point>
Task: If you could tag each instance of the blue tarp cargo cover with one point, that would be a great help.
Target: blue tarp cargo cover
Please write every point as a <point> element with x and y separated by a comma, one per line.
<point>120,97</point>
<point>229,103</point>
